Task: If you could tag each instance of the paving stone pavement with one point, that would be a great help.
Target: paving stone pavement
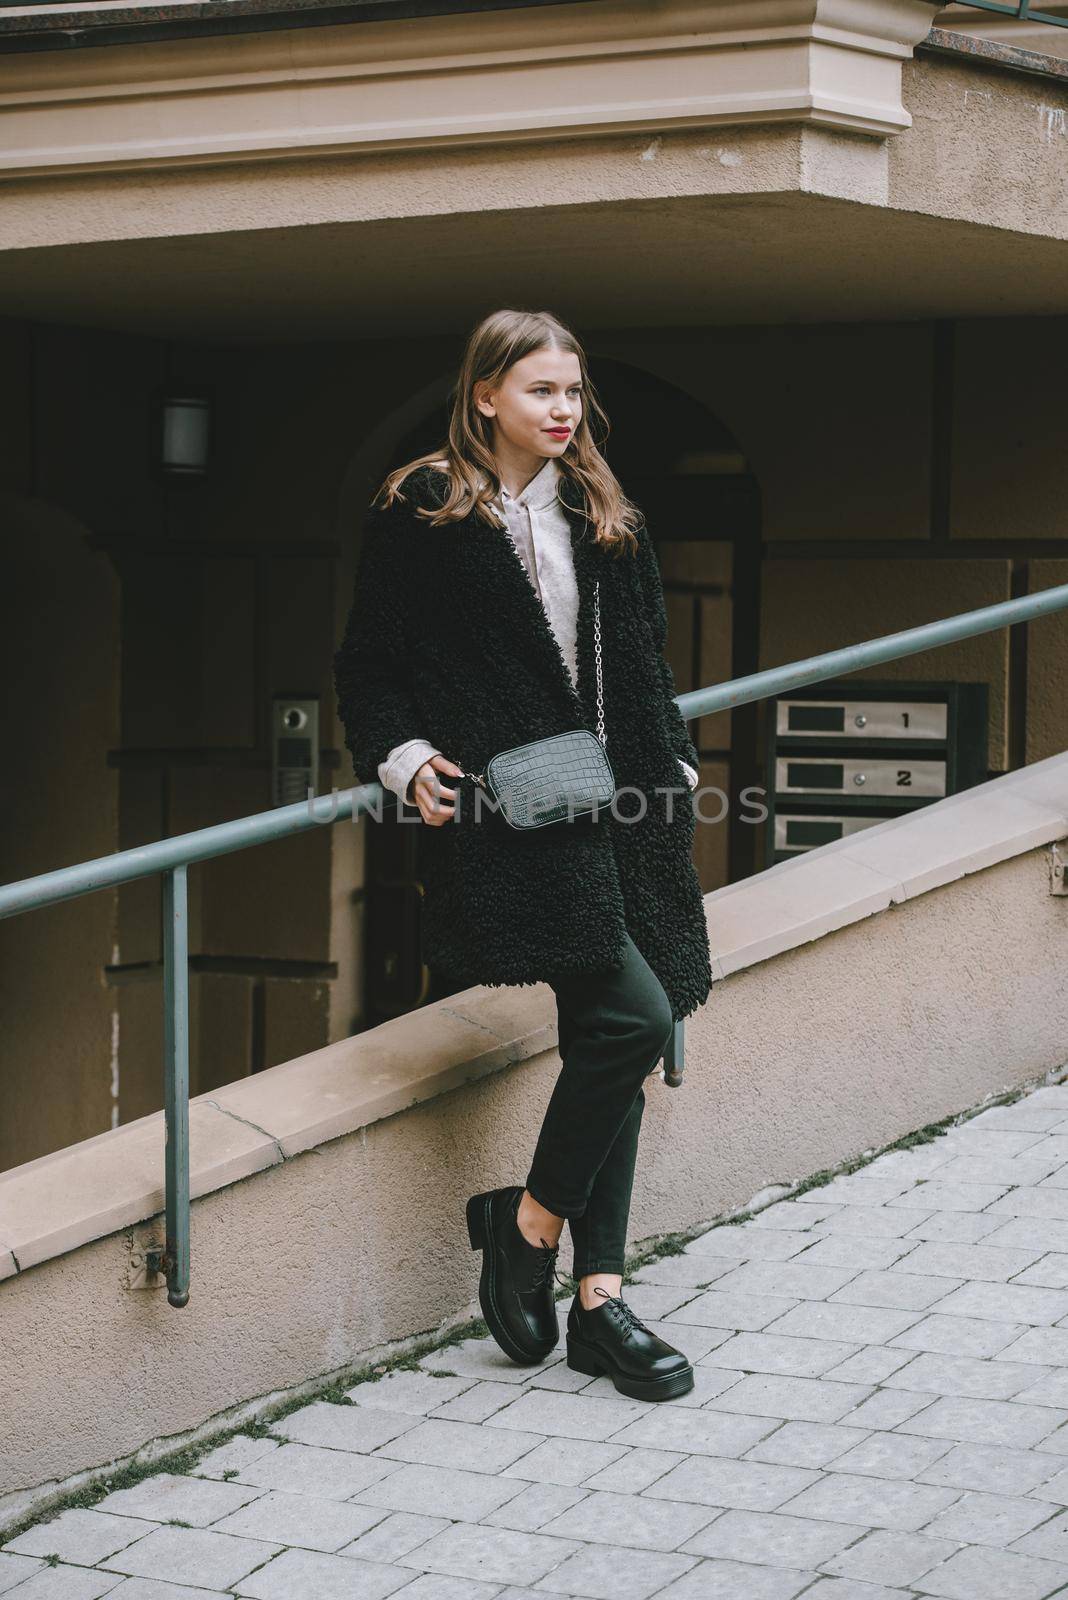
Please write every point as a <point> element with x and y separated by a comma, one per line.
<point>880,1410</point>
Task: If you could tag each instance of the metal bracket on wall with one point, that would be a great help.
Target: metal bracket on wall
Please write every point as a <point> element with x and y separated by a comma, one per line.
<point>1058,867</point>
<point>148,1264</point>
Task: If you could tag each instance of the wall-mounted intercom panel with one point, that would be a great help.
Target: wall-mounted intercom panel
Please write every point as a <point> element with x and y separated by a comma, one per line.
<point>294,748</point>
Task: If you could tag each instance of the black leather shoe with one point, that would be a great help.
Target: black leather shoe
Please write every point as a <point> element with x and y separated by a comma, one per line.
<point>611,1340</point>
<point>516,1288</point>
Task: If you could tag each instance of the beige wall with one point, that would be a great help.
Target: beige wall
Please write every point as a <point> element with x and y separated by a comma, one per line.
<point>1010,422</point>
<point>833,418</point>
<point>983,139</point>
<point>59,646</point>
<point>837,421</point>
<point>537,107</point>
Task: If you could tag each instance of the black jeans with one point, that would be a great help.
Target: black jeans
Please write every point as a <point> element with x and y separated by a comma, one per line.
<point>613,1028</point>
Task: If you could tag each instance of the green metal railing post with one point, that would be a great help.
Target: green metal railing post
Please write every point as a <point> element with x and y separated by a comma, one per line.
<point>175,1258</point>
<point>675,1054</point>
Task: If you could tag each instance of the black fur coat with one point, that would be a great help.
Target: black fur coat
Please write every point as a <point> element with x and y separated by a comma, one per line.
<point>447,640</point>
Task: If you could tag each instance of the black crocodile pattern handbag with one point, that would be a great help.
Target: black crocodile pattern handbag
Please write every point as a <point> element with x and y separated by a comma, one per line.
<point>557,779</point>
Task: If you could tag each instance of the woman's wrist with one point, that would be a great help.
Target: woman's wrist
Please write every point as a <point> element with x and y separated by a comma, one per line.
<point>401,765</point>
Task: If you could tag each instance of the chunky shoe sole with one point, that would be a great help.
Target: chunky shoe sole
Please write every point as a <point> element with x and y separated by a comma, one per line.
<point>480,1233</point>
<point>583,1358</point>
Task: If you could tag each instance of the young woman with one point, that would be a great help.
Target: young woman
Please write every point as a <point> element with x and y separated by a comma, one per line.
<point>471,632</point>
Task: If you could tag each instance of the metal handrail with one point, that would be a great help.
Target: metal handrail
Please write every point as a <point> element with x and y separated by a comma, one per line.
<point>888,647</point>
<point>173,856</point>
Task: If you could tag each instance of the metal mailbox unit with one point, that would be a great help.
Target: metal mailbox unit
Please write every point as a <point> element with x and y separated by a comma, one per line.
<point>844,756</point>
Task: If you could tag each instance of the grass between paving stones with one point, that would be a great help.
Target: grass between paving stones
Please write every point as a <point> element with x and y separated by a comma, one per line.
<point>673,1244</point>
<point>333,1392</point>
<point>184,1459</point>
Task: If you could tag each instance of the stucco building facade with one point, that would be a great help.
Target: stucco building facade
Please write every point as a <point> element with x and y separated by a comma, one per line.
<point>818,254</point>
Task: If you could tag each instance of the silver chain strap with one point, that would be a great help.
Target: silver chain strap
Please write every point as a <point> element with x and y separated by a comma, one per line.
<point>480,777</point>
<point>597,657</point>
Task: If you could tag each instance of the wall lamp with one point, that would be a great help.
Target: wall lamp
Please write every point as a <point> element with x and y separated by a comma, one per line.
<point>184,433</point>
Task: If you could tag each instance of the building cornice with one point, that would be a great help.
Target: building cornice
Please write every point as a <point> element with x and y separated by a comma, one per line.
<point>583,69</point>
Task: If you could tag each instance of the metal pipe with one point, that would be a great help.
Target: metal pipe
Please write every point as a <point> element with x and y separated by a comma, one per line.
<point>758,685</point>
<point>176,1079</point>
<point>144,861</point>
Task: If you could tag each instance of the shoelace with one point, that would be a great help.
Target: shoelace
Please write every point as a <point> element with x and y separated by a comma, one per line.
<point>546,1265</point>
<point>628,1313</point>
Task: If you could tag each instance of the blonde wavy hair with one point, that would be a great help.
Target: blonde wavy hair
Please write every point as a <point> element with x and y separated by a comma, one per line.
<point>496,344</point>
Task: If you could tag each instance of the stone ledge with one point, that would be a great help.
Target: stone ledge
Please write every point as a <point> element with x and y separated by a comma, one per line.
<point>998,52</point>
<point>804,898</point>
<point>92,1189</point>
<point>416,1057</point>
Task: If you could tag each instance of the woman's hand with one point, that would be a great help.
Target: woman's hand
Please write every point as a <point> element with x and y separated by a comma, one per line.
<point>436,803</point>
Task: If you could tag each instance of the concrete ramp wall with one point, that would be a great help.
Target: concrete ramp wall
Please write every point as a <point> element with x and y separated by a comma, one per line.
<point>862,990</point>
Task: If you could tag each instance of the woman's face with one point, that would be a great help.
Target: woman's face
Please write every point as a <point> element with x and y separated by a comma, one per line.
<point>539,393</point>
